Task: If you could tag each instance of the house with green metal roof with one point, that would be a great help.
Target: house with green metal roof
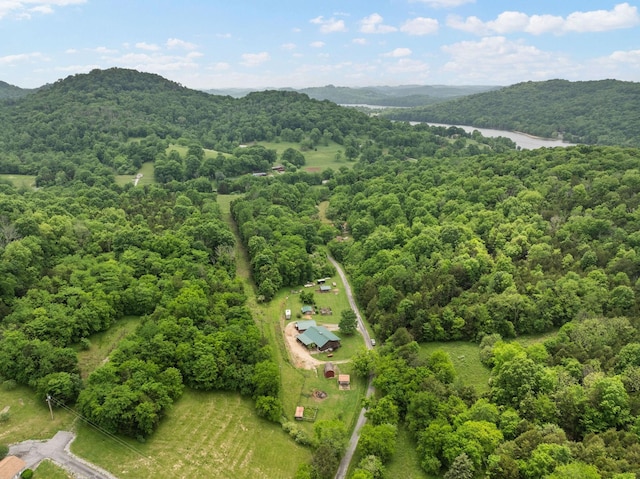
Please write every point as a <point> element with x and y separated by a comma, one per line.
<point>302,326</point>
<point>319,337</point>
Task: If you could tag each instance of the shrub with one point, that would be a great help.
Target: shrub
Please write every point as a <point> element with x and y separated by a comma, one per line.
<point>4,450</point>
<point>27,474</point>
<point>5,416</point>
<point>9,385</point>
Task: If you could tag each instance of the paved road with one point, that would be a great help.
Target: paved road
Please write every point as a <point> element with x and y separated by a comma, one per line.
<point>57,450</point>
<point>355,436</point>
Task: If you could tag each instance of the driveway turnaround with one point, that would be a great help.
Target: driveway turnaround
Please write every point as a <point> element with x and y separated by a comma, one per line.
<point>57,450</point>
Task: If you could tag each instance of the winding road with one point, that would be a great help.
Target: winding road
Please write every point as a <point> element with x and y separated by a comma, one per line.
<point>355,436</point>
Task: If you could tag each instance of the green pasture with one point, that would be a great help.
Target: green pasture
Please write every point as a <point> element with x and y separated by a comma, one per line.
<point>147,171</point>
<point>318,159</point>
<point>182,150</point>
<point>20,181</point>
<point>49,470</point>
<point>29,417</point>
<point>203,435</point>
<point>103,343</point>
<point>466,359</point>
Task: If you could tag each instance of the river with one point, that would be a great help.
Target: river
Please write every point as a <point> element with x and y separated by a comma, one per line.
<point>524,141</point>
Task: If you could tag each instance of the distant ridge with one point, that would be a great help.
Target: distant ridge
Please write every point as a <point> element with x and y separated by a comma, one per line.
<point>594,112</point>
<point>8,91</point>
<point>399,96</point>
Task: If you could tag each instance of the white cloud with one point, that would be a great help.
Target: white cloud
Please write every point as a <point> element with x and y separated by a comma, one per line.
<point>152,47</point>
<point>254,59</point>
<point>10,60</point>
<point>317,44</point>
<point>420,26</point>
<point>223,35</point>
<point>622,16</point>
<point>359,41</point>
<point>630,56</point>
<point>23,8</point>
<point>407,65</point>
<point>398,52</point>
<point>71,51</point>
<point>102,50</point>
<point>374,24</point>
<point>288,46</point>
<point>177,43</point>
<point>500,61</point>
<point>329,25</point>
<point>445,3</point>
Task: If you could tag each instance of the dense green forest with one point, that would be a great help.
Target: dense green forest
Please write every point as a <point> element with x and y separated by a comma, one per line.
<point>11,91</point>
<point>445,236</point>
<point>601,112</point>
<point>76,260</point>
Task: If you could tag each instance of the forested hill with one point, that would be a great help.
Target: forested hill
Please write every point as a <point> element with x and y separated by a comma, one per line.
<point>594,112</point>
<point>88,119</point>
<point>11,91</point>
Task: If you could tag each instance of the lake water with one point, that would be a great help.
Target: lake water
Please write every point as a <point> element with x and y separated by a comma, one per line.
<point>526,142</point>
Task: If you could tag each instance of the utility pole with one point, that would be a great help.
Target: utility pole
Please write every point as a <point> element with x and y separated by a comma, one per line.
<point>49,403</point>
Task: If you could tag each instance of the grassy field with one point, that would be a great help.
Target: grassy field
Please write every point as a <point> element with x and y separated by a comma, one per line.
<point>204,435</point>
<point>466,359</point>
<point>148,178</point>
<point>48,470</point>
<point>20,181</point>
<point>321,158</point>
<point>103,343</point>
<point>29,417</point>
<point>184,149</point>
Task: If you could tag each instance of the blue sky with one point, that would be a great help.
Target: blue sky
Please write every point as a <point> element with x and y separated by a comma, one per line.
<point>299,43</point>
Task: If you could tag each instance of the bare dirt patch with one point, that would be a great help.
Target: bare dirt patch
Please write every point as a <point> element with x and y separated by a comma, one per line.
<point>300,355</point>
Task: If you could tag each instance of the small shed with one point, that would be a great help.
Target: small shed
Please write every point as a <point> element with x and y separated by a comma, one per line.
<point>307,309</point>
<point>329,370</point>
<point>299,416</point>
<point>325,288</point>
<point>287,314</point>
<point>11,467</point>
<point>344,381</point>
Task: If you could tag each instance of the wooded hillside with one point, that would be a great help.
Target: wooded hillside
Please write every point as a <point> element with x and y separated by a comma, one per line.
<point>594,112</point>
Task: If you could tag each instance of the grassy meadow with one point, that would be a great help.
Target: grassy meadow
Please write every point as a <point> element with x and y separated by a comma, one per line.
<point>146,170</point>
<point>318,159</point>
<point>20,181</point>
<point>466,359</point>
<point>203,435</point>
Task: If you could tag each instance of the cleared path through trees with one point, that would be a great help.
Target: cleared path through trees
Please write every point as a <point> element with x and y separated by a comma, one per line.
<point>355,435</point>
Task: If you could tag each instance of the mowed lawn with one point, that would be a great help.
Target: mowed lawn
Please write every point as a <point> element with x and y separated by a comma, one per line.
<point>204,435</point>
<point>49,470</point>
<point>318,159</point>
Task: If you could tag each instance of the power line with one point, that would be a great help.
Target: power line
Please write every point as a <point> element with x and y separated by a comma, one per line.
<point>100,429</point>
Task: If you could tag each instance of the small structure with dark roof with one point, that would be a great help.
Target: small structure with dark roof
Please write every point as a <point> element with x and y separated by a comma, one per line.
<point>329,370</point>
<point>319,337</point>
<point>11,467</point>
